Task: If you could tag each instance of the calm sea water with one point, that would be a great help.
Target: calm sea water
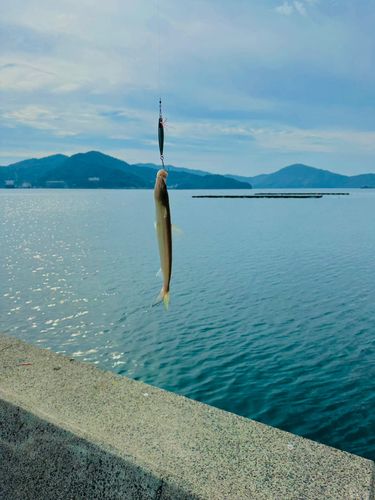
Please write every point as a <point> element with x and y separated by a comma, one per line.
<point>272,309</point>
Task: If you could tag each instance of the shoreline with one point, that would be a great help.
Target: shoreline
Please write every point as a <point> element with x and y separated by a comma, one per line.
<point>66,422</point>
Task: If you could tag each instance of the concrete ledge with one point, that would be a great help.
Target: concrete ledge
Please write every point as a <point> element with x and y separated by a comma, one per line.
<point>69,430</point>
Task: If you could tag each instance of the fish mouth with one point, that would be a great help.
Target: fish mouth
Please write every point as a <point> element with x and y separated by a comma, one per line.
<point>162,173</point>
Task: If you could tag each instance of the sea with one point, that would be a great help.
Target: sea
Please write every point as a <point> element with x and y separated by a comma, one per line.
<point>272,302</point>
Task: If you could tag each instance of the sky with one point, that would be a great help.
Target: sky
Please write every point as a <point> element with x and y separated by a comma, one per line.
<point>248,87</point>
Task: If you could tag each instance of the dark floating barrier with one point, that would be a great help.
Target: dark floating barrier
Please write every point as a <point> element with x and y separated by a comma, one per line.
<point>302,194</point>
<point>261,196</point>
<point>272,195</point>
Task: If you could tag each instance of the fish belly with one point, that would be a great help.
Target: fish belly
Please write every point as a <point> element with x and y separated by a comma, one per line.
<point>161,232</point>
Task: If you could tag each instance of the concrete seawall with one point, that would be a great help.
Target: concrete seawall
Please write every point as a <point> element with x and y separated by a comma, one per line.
<point>69,430</point>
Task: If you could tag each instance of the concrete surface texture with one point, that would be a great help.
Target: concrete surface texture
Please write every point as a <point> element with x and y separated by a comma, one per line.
<point>69,430</point>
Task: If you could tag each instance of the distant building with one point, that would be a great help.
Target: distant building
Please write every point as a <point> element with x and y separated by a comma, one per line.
<point>10,184</point>
<point>56,184</point>
<point>26,185</point>
<point>94,179</point>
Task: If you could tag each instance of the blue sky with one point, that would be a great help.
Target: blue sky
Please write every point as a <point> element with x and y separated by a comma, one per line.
<point>248,87</point>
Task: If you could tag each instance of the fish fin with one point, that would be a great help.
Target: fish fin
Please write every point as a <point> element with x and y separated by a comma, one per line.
<point>159,299</point>
<point>159,274</point>
<point>162,297</point>
<point>166,301</point>
<point>177,232</point>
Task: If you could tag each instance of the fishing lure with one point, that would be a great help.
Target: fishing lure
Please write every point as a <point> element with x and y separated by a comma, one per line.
<point>161,135</point>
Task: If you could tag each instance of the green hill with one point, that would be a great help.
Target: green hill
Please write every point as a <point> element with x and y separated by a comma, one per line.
<point>30,170</point>
<point>77,170</point>
<point>97,170</point>
<point>301,176</point>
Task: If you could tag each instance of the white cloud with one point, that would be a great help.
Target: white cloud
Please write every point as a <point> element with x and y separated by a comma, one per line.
<point>90,69</point>
<point>21,77</point>
<point>64,133</point>
<point>69,87</point>
<point>289,140</point>
<point>33,116</point>
<point>90,119</point>
<point>113,46</point>
<point>288,9</point>
<point>285,9</point>
<point>19,154</point>
<point>300,8</point>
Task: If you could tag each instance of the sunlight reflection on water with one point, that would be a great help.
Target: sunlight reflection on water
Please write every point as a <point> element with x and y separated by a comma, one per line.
<point>272,307</point>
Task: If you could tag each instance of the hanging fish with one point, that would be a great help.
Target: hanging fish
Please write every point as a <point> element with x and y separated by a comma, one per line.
<point>164,234</point>
<point>163,224</point>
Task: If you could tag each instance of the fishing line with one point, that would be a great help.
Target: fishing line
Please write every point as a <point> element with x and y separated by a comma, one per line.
<point>159,45</point>
<point>160,123</point>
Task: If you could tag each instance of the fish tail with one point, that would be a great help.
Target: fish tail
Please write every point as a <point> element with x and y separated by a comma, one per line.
<point>162,297</point>
<point>166,300</point>
<point>159,298</point>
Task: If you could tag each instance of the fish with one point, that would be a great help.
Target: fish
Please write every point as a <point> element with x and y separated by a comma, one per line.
<point>164,234</point>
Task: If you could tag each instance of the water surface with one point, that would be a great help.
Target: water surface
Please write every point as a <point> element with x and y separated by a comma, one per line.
<point>272,309</point>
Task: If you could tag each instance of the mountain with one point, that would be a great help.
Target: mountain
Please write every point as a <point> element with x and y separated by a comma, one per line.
<point>77,171</point>
<point>299,176</point>
<point>302,176</point>
<point>363,180</point>
<point>30,170</point>
<point>97,170</point>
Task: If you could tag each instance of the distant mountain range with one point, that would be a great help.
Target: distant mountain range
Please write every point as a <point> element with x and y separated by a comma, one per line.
<point>302,176</point>
<point>294,177</point>
<point>97,170</point>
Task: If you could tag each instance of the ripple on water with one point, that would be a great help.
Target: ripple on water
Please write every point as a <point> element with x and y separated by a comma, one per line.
<point>272,307</point>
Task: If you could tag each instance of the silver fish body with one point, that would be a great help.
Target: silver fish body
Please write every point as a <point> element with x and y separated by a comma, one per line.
<point>164,235</point>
